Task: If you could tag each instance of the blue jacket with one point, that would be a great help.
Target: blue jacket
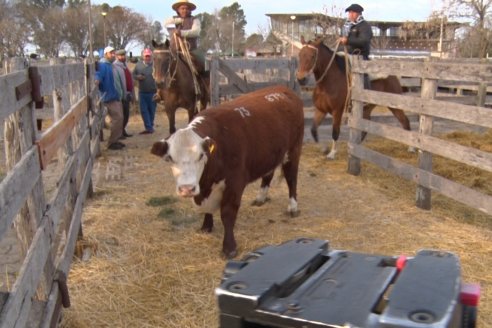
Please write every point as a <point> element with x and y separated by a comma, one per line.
<point>104,75</point>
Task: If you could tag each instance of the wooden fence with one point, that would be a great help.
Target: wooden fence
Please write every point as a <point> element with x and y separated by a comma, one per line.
<point>235,76</point>
<point>428,107</point>
<point>45,177</point>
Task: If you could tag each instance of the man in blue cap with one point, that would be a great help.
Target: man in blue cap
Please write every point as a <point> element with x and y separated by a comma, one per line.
<point>357,32</point>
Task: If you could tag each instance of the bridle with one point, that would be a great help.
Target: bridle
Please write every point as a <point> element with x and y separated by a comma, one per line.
<point>347,71</point>
<point>316,60</point>
<point>168,73</point>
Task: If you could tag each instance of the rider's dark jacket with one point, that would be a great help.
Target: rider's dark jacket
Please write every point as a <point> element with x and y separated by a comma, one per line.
<point>359,37</point>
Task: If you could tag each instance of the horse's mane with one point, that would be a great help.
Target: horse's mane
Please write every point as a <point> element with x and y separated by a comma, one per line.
<point>339,59</point>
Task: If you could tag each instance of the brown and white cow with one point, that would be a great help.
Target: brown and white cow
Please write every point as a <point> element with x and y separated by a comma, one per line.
<point>231,145</point>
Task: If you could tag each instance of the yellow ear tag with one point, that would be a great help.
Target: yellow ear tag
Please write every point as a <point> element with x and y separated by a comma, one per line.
<point>211,148</point>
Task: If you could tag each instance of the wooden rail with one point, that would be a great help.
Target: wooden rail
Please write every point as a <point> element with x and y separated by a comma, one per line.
<point>44,181</point>
<point>234,76</point>
<point>428,108</point>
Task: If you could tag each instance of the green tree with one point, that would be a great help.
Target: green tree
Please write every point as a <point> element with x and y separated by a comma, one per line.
<point>231,27</point>
<point>210,33</point>
<point>254,41</point>
<point>156,32</point>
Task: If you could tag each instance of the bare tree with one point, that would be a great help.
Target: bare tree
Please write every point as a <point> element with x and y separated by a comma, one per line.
<point>12,40</point>
<point>478,13</point>
<point>124,27</point>
<point>45,24</point>
<point>75,20</point>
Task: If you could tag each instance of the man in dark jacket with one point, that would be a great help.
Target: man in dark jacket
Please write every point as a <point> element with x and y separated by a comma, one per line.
<point>357,32</point>
<point>357,36</point>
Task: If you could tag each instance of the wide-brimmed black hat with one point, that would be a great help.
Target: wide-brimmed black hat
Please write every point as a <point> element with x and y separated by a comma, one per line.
<point>355,7</point>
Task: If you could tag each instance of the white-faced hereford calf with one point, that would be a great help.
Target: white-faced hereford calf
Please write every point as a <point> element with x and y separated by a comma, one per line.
<point>229,146</point>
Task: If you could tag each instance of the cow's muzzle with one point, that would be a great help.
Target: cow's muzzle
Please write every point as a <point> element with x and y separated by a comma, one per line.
<point>187,191</point>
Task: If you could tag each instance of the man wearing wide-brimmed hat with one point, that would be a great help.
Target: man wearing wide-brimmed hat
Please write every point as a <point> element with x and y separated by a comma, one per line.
<point>186,27</point>
<point>357,32</point>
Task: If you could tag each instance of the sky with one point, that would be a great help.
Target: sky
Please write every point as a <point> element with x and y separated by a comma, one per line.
<point>256,10</point>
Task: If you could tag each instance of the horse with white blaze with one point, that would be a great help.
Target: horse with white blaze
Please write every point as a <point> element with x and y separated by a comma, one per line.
<point>226,147</point>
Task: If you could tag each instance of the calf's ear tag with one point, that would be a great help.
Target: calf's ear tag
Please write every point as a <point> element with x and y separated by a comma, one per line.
<point>211,148</point>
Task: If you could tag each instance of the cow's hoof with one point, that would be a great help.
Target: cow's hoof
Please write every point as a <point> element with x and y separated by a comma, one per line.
<point>206,229</point>
<point>294,214</point>
<point>229,254</point>
<point>257,202</point>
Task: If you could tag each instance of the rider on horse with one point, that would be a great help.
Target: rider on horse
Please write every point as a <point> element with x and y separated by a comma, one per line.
<point>185,27</point>
<point>357,35</point>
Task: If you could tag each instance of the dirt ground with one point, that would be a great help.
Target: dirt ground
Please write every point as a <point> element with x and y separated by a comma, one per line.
<point>151,267</point>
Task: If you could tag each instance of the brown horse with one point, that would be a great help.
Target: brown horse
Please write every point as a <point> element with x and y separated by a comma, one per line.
<point>330,92</point>
<point>175,83</point>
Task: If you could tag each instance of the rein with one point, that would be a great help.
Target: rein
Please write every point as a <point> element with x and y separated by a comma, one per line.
<point>347,72</point>
<point>316,60</point>
<point>186,52</point>
<point>168,73</point>
<point>188,61</point>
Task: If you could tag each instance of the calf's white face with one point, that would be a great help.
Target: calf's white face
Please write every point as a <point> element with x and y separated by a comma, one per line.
<point>187,153</point>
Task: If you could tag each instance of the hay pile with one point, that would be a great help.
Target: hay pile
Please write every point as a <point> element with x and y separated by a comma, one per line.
<point>151,267</point>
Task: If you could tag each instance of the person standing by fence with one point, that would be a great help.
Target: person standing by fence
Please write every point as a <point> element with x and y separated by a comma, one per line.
<point>147,90</point>
<point>110,97</point>
<point>126,79</point>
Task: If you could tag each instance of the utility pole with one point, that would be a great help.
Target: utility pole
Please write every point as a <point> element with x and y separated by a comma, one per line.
<point>232,47</point>
<point>293,18</point>
<point>91,49</point>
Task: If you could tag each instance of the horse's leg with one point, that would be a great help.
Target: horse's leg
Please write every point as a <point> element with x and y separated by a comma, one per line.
<point>402,118</point>
<point>262,196</point>
<point>366,114</point>
<point>404,121</point>
<point>335,133</point>
<point>191,112</point>
<point>171,117</point>
<point>318,117</point>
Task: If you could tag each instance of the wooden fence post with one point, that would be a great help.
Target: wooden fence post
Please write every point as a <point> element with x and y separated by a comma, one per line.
<point>292,75</point>
<point>355,136</point>
<point>423,196</point>
<point>481,94</point>
<point>20,134</point>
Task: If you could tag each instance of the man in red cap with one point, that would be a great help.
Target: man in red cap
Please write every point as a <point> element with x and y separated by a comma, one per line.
<point>146,90</point>
<point>357,32</point>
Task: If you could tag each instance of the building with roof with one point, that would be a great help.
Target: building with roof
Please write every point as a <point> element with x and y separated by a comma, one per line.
<point>391,39</point>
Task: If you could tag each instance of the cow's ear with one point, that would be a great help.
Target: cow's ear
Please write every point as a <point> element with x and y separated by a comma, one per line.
<point>209,146</point>
<point>160,148</point>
